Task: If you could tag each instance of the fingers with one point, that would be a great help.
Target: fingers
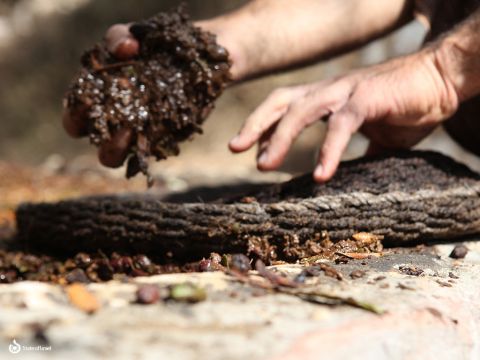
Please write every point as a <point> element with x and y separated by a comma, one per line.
<point>268,113</point>
<point>277,122</point>
<point>299,116</point>
<point>74,121</point>
<point>114,152</point>
<point>341,126</point>
<point>121,43</point>
<point>263,144</point>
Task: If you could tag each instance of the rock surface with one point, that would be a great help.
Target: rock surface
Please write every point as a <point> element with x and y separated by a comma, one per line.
<point>428,314</point>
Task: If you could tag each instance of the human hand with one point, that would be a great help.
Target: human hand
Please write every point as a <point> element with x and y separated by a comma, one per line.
<point>395,104</point>
<point>121,43</point>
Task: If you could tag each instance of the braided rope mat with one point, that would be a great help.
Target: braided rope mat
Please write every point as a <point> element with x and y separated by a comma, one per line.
<point>408,197</point>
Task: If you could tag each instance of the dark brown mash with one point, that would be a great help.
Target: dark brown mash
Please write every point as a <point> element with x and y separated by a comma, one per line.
<point>163,95</point>
<point>405,171</point>
<point>83,267</point>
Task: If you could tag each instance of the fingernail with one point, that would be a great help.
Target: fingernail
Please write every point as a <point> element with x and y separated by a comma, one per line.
<point>126,49</point>
<point>318,172</point>
<point>263,158</point>
<point>235,140</point>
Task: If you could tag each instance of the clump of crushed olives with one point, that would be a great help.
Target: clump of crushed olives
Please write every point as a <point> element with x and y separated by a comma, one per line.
<point>163,95</point>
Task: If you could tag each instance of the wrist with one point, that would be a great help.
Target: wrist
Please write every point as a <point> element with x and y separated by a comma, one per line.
<point>458,63</point>
<point>227,37</point>
<point>446,90</point>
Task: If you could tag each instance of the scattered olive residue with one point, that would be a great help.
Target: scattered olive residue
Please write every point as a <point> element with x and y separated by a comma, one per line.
<point>83,267</point>
<point>162,95</point>
<point>459,252</point>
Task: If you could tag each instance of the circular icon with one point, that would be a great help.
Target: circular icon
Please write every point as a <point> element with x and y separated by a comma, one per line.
<point>14,347</point>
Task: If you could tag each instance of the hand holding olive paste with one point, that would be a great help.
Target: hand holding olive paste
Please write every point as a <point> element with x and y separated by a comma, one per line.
<point>153,100</point>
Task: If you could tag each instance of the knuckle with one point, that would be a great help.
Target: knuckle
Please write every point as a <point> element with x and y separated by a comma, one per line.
<point>251,126</point>
<point>282,137</point>
<point>280,94</point>
<point>295,108</point>
<point>117,30</point>
<point>363,88</point>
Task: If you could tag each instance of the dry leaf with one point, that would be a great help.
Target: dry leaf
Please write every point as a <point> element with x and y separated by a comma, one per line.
<point>81,298</point>
<point>360,256</point>
<point>367,238</point>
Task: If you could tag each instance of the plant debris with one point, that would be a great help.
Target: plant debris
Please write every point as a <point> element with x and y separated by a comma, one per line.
<point>77,276</point>
<point>405,287</point>
<point>331,271</point>
<point>147,294</point>
<point>359,256</point>
<point>451,275</point>
<point>81,268</point>
<point>357,274</point>
<point>284,285</point>
<point>323,298</point>
<point>309,271</point>
<point>443,283</point>
<point>275,279</point>
<point>240,263</point>
<point>81,298</point>
<point>162,96</point>
<point>187,292</point>
<point>316,270</point>
<point>410,270</point>
<point>459,252</point>
<point>86,267</point>
<point>366,238</point>
<point>361,246</point>
<point>214,263</point>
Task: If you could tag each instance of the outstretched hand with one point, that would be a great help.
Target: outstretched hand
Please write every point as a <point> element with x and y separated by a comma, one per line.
<point>395,104</point>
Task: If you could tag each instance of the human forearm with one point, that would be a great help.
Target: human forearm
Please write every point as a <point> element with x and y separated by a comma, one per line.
<point>458,57</point>
<point>269,35</point>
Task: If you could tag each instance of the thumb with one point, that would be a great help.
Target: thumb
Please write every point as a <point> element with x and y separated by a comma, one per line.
<point>121,43</point>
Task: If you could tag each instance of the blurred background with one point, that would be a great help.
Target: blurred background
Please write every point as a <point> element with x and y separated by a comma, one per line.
<point>40,45</point>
